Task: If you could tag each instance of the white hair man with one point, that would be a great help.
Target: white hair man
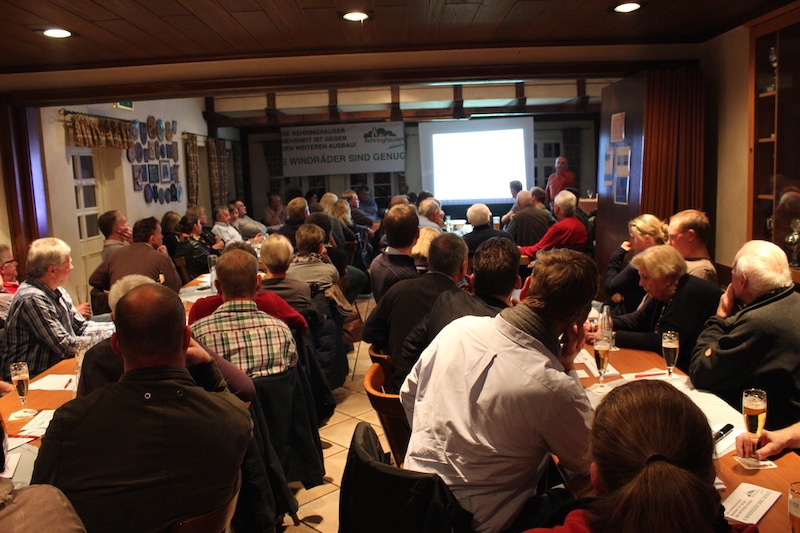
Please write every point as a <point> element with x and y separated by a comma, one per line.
<point>480,218</point>
<point>568,232</point>
<point>752,340</point>
<point>431,214</point>
<point>531,221</point>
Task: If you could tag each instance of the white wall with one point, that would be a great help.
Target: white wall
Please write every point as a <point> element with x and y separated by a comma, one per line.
<point>725,65</point>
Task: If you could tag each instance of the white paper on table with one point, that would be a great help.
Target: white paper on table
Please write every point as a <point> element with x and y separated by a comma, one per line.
<point>748,503</point>
<point>16,442</point>
<point>12,460</point>
<point>588,359</point>
<point>719,485</point>
<point>38,423</point>
<point>54,382</point>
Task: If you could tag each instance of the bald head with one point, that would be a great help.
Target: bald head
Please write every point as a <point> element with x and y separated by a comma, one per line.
<point>151,327</point>
<point>524,199</point>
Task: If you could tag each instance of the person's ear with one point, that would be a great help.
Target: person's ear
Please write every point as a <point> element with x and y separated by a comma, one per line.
<point>115,344</point>
<point>187,337</point>
<point>518,283</point>
<point>217,286</point>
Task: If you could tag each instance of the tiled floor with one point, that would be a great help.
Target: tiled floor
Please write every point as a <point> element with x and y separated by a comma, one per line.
<point>319,507</point>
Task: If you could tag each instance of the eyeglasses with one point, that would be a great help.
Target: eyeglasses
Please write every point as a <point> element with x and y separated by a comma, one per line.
<point>12,260</point>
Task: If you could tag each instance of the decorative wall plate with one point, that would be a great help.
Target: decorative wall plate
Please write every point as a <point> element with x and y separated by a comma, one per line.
<point>148,194</point>
<point>163,148</point>
<point>151,127</point>
<point>173,191</point>
<point>161,196</point>
<point>131,154</point>
<point>135,130</point>
<point>168,126</point>
<point>175,127</point>
<point>143,133</point>
<point>160,129</point>
<point>180,193</point>
<point>176,147</point>
<point>139,152</point>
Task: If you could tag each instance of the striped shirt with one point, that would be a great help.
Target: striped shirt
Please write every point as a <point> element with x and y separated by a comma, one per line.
<point>42,328</point>
<point>257,343</point>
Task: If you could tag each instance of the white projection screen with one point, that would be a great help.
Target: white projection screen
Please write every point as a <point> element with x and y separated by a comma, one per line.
<point>468,161</point>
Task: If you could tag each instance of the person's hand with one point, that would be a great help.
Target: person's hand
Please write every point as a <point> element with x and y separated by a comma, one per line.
<point>163,249</point>
<point>625,246</point>
<point>127,235</point>
<point>196,355</point>
<point>85,309</point>
<point>257,238</point>
<point>727,303</point>
<point>769,443</point>
<point>617,298</point>
<point>574,339</point>
<point>219,245</point>
<point>5,388</point>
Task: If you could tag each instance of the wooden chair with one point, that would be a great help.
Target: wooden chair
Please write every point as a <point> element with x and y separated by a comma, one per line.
<point>390,412</point>
<point>217,521</point>
<point>180,264</point>
<point>387,365</point>
<point>350,248</point>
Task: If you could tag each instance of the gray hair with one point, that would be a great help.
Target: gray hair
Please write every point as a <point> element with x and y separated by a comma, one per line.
<point>277,253</point>
<point>539,194</point>
<point>45,252</point>
<point>524,199</point>
<point>765,266</point>
<point>566,202</point>
<point>123,286</point>
<point>479,214</point>
<point>429,206</point>
<point>661,261</point>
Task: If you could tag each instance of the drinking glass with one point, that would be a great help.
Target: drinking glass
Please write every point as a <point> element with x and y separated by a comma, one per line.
<point>20,378</point>
<point>212,270</point>
<point>794,506</point>
<point>754,409</point>
<point>602,353</point>
<point>670,344</point>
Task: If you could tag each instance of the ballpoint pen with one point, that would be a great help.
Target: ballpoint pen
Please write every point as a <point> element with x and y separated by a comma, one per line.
<point>651,375</point>
<point>69,382</point>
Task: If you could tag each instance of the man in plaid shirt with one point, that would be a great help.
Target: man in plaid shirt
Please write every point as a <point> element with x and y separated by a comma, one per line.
<point>260,345</point>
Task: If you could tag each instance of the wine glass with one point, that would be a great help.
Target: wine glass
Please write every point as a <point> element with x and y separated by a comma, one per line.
<point>602,352</point>
<point>21,379</point>
<point>754,409</point>
<point>794,506</point>
<point>670,344</point>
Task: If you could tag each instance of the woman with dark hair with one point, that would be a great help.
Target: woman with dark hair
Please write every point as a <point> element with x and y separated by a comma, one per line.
<point>652,466</point>
<point>192,246</point>
<point>170,229</point>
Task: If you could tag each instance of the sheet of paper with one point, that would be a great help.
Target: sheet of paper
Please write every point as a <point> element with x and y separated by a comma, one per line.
<point>38,423</point>
<point>12,460</point>
<point>16,442</point>
<point>748,503</point>
<point>54,382</point>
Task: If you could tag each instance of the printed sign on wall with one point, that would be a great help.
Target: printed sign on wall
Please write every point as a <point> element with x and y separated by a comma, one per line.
<point>343,149</point>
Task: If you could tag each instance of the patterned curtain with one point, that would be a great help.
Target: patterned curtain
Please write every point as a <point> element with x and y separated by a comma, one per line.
<point>223,157</point>
<point>213,173</point>
<point>101,132</point>
<point>192,175</point>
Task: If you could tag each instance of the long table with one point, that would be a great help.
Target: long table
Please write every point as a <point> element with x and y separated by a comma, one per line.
<point>718,412</point>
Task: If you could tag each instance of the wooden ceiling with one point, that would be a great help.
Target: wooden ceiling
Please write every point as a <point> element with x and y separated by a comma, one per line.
<point>145,32</point>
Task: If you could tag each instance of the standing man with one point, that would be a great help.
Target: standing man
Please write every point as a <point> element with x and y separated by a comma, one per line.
<point>165,442</point>
<point>492,397</point>
<point>688,232</point>
<point>116,230</point>
<point>248,227</point>
<point>146,256</point>
<point>559,180</point>
<point>753,339</point>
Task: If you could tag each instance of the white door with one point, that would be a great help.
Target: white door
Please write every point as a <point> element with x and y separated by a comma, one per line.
<point>87,211</point>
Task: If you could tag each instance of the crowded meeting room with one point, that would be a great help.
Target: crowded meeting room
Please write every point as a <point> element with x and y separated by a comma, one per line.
<point>358,266</point>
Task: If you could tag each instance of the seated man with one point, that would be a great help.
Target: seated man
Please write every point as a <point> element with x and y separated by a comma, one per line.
<point>257,343</point>
<point>266,301</point>
<point>480,217</point>
<point>164,443</point>
<point>146,256</point>
<point>116,230</point>
<point>568,232</point>
<point>248,227</point>
<point>495,275</point>
<point>223,227</point>
<point>491,398</point>
<point>366,205</point>
<point>401,229</point>
<point>688,232</point>
<point>753,339</point>
<point>297,213</point>
<point>515,187</point>
<point>531,221</point>
<point>275,214</point>
<point>403,305</point>
<point>43,326</point>
<point>431,215</point>
<point>311,263</point>
<point>277,254</point>
<point>356,214</point>
<point>8,269</point>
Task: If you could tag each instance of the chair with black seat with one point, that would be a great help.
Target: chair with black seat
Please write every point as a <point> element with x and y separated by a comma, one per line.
<point>390,412</point>
<point>376,496</point>
<point>216,521</point>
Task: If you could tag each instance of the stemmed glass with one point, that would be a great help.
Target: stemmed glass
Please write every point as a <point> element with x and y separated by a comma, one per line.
<point>21,379</point>
<point>602,352</point>
<point>794,506</point>
<point>670,345</point>
<point>754,409</point>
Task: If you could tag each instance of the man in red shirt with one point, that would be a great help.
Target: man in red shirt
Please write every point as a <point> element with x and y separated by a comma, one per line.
<point>559,180</point>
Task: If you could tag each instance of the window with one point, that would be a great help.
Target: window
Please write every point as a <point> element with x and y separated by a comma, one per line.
<point>86,206</point>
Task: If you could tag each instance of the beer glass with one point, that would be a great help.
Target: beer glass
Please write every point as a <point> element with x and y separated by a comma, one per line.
<point>794,506</point>
<point>754,409</point>
<point>670,344</point>
<point>20,378</point>
<point>602,352</point>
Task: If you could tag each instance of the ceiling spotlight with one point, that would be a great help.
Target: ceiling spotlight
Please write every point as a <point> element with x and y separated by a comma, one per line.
<point>355,16</point>
<point>627,7</point>
<point>56,33</point>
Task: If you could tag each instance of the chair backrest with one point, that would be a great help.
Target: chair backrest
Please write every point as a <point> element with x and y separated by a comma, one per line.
<point>376,496</point>
<point>217,521</point>
<point>387,364</point>
<point>180,264</point>
<point>350,248</point>
<point>390,412</point>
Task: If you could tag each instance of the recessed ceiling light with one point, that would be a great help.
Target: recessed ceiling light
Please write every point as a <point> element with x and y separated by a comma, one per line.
<point>627,7</point>
<point>355,16</point>
<point>56,33</point>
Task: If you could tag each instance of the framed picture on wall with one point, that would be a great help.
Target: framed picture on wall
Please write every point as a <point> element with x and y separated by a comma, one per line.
<point>152,173</point>
<point>608,167</point>
<point>621,185</point>
<point>137,177</point>
<point>165,177</point>
<point>623,162</point>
